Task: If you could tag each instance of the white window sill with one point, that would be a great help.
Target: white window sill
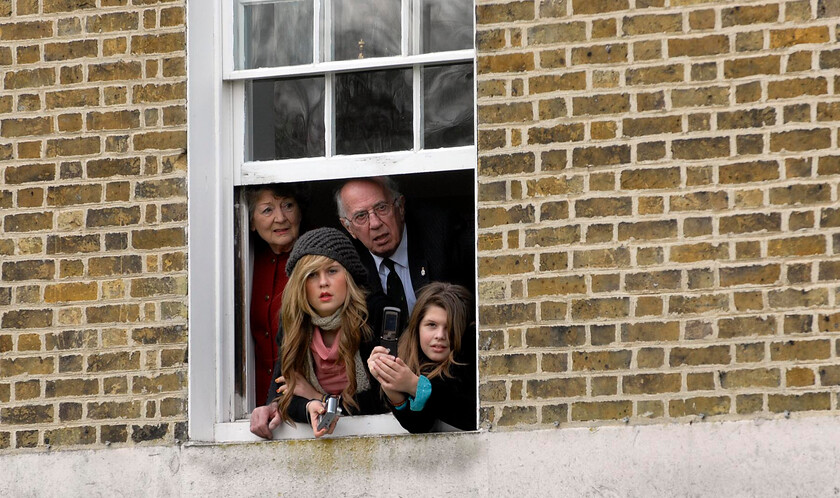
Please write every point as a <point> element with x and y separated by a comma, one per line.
<point>369,425</point>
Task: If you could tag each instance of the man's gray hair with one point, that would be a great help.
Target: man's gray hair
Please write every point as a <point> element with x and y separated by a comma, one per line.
<point>386,182</point>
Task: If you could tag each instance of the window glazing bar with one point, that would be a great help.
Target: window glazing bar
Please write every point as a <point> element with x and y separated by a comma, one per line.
<point>316,32</point>
<point>352,65</point>
<point>329,114</point>
<point>418,106</point>
<point>405,33</point>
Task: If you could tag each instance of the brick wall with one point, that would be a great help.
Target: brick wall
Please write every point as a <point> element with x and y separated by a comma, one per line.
<point>658,214</point>
<point>659,226</point>
<point>93,228</point>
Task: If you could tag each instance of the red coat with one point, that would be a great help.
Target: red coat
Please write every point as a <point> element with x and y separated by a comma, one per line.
<point>267,286</point>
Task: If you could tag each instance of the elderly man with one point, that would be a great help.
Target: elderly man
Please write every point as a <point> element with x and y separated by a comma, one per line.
<point>404,246</point>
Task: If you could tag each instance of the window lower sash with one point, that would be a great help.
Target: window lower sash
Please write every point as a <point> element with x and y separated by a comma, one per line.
<point>336,167</point>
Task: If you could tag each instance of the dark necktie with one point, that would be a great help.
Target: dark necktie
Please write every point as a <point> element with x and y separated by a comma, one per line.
<point>396,292</point>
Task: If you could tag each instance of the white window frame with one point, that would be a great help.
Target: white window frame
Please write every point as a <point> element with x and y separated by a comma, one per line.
<point>216,124</point>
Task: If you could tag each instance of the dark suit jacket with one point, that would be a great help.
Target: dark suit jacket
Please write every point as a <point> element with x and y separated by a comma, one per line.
<point>441,248</point>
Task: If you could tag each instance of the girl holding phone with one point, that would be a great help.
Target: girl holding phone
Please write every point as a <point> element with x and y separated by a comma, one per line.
<point>426,382</point>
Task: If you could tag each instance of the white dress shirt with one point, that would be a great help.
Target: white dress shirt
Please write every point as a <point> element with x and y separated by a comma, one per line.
<point>400,259</point>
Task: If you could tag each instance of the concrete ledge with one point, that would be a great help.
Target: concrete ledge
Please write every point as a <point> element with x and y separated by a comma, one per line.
<point>746,458</point>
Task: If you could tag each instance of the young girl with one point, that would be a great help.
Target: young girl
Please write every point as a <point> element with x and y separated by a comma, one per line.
<point>324,330</point>
<point>426,383</point>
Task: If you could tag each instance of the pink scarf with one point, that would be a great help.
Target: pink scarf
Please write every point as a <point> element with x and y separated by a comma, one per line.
<point>331,375</point>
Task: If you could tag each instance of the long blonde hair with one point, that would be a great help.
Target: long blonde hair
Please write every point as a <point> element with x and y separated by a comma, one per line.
<point>296,314</point>
<point>454,299</point>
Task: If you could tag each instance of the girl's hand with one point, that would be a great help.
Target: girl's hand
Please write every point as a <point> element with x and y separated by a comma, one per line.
<point>315,408</point>
<point>377,353</point>
<point>282,387</point>
<point>394,375</point>
<point>302,387</point>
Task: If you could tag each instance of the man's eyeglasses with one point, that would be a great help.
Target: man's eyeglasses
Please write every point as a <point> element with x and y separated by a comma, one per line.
<point>381,209</point>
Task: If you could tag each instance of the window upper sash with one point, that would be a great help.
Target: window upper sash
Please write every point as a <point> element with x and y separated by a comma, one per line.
<point>271,38</point>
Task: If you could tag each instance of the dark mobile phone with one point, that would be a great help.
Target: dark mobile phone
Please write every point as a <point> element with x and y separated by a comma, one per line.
<point>390,329</point>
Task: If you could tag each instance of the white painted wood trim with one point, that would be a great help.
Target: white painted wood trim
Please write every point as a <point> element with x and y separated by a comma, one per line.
<point>329,115</point>
<point>352,65</point>
<point>316,30</point>
<point>240,123</point>
<point>257,2</point>
<point>405,28</point>
<point>215,123</point>
<point>475,239</point>
<point>225,269</point>
<point>336,167</point>
<point>329,46</point>
<point>204,150</point>
<point>417,107</point>
<point>250,368</point>
<point>229,31</point>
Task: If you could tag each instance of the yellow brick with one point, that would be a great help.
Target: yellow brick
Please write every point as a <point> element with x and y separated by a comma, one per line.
<point>75,291</point>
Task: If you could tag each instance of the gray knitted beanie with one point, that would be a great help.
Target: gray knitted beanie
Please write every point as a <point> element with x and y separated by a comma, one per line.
<point>333,244</point>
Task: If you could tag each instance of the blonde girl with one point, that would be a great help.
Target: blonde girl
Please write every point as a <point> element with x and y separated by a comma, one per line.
<point>324,334</point>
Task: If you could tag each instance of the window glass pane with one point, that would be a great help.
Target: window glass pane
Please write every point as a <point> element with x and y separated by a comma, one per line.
<point>286,118</point>
<point>447,25</point>
<point>365,28</point>
<point>447,106</point>
<point>373,112</point>
<point>274,34</point>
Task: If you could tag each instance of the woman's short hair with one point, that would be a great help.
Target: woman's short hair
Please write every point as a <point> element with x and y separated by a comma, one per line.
<point>252,194</point>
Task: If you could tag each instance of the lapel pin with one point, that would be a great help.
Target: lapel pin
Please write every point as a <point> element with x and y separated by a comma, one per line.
<point>423,271</point>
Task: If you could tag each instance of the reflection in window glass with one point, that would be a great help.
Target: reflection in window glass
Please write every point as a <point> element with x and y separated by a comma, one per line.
<point>287,118</point>
<point>366,28</point>
<point>275,34</point>
<point>373,112</point>
<point>447,25</point>
<point>447,106</point>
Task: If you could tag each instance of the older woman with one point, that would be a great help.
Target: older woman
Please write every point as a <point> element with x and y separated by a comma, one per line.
<point>275,215</point>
